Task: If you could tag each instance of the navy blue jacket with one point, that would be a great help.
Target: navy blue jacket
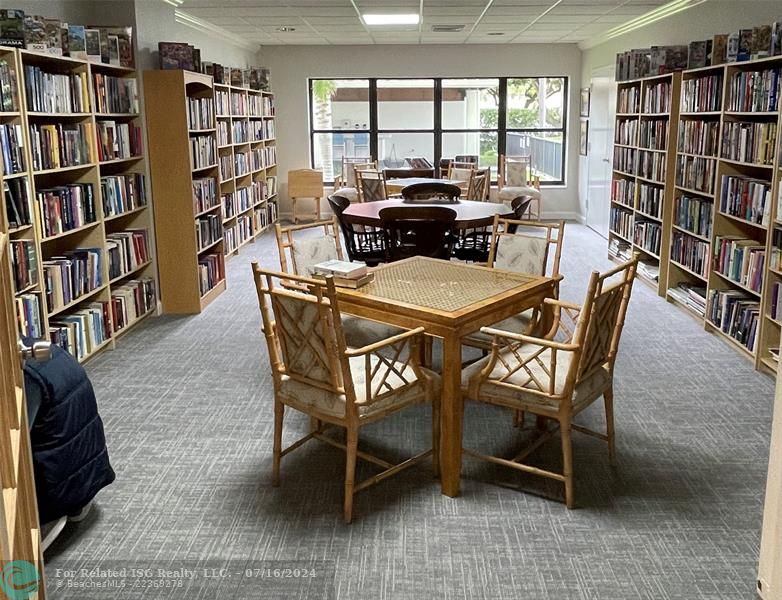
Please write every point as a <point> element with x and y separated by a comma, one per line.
<point>70,458</point>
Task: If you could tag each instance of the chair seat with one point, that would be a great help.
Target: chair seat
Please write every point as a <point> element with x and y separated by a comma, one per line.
<point>362,332</point>
<point>350,193</point>
<point>586,390</point>
<point>515,324</point>
<point>305,397</point>
<point>508,193</point>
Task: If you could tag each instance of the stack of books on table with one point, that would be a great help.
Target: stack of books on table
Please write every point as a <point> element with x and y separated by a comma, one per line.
<point>346,274</point>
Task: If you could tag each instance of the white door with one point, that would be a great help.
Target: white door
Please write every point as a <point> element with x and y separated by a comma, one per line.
<point>601,135</point>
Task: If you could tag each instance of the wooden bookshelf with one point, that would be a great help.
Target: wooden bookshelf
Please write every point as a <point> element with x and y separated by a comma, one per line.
<point>704,159</point>
<point>643,173</point>
<point>94,120</point>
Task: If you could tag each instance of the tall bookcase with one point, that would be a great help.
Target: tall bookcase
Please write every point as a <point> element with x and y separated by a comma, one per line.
<point>248,163</point>
<point>724,235</point>
<point>185,166</point>
<point>82,251</point>
<point>643,174</point>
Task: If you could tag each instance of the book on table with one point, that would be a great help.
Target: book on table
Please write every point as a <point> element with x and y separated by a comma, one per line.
<point>340,268</point>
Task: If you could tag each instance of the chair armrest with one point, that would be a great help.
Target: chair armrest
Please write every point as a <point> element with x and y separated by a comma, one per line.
<point>527,339</point>
<point>374,347</point>
<point>560,303</point>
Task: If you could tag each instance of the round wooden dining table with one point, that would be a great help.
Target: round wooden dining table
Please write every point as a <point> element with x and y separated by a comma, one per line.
<point>469,213</point>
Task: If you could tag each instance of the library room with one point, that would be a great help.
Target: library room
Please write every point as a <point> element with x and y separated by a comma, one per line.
<point>407,299</point>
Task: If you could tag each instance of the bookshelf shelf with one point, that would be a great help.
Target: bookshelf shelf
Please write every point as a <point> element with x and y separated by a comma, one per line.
<point>704,114</point>
<point>689,271</point>
<point>213,293</point>
<point>739,163</point>
<point>130,273</point>
<point>79,300</point>
<point>742,221</point>
<point>117,115</point>
<point>206,211</point>
<point>648,216</point>
<point>209,247</point>
<point>734,283</point>
<point>59,236</point>
<point>691,234</point>
<point>696,192</point>
<point>18,230</point>
<point>206,168</point>
<point>132,324</point>
<point>45,172</point>
<point>120,161</point>
<point>15,175</point>
<point>127,213</point>
<point>59,115</point>
<point>732,341</point>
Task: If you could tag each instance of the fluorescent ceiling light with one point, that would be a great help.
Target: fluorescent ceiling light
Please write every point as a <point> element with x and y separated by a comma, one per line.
<point>397,19</point>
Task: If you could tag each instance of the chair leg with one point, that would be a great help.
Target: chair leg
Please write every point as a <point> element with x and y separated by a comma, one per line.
<point>351,447</point>
<point>436,434</point>
<point>567,460</point>
<point>608,400</point>
<point>279,413</point>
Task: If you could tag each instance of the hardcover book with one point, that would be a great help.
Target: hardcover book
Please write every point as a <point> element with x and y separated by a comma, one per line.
<point>35,35</point>
<point>197,60</point>
<point>761,41</point>
<point>125,36</point>
<point>104,45</point>
<point>64,38</point>
<point>698,54</point>
<point>77,43</point>
<point>776,38</point>
<point>12,28</point>
<point>236,77</point>
<point>175,55</point>
<point>92,44</point>
<point>733,47</point>
<point>53,36</point>
<point>745,45</point>
<point>113,49</point>
<point>719,49</point>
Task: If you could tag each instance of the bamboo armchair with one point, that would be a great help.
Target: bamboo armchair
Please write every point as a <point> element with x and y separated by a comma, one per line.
<point>516,179</point>
<point>346,183</point>
<point>465,173</point>
<point>299,252</point>
<point>315,373</point>
<point>559,375</point>
<point>371,185</point>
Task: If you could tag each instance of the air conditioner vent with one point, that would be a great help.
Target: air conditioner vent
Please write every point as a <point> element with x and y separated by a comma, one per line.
<point>447,28</point>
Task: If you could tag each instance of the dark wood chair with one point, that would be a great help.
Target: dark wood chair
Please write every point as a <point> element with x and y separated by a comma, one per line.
<point>418,231</point>
<point>519,205</point>
<point>432,190</point>
<point>362,243</point>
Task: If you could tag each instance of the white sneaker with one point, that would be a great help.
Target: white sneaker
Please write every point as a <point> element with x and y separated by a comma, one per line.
<point>82,514</point>
<point>50,531</point>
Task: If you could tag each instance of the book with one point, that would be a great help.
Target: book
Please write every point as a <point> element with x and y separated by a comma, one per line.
<point>265,79</point>
<point>92,44</point>
<point>175,55</point>
<point>354,284</point>
<point>53,36</point>
<point>698,54</point>
<point>745,45</point>
<point>237,78</point>
<point>113,50</point>
<point>12,28</point>
<point>761,41</point>
<point>64,37</point>
<point>719,49</point>
<point>732,53</point>
<point>340,268</point>
<point>197,60</point>
<point>35,35</point>
<point>77,43</point>
<point>776,38</point>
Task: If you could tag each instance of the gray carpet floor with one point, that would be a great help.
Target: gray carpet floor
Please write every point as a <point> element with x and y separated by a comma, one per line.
<point>187,407</point>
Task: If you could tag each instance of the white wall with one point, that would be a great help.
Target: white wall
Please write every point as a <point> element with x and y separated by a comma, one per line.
<point>698,23</point>
<point>291,66</point>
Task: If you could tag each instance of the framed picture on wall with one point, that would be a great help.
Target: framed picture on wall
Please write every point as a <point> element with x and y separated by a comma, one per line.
<point>585,94</point>
<point>583,144</point>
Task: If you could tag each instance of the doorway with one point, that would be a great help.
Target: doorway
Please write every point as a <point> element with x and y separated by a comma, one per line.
<point>601,134</point>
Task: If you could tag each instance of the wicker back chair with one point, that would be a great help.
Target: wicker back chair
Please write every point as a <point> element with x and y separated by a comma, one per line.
<point>464,173</point>
<point>558,375</point>
<point>431,189</point>
<point>371,185</point>
<point>315,373</point>
<point>346,184</point>
<point>418,231</point>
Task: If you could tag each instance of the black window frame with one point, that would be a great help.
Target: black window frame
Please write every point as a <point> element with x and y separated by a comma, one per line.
<point>437,131</point>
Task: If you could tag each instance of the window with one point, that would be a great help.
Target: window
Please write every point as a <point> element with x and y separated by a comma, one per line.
<point>396,119</point>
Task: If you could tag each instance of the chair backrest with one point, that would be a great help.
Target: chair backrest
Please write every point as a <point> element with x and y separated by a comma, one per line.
<point>602,317</point>
<point>519,204</point>
<point>477,190</point>
<point>297,256</point>
<point>303,331</point>
<point>404,172</point>
<point>526,249</point>
<point>349,166</point>
<point>515,171</point>
<point>466,158</point>
<point>431,189</point>
<point>418,231</point>
<point>305,183</point>
<point>372,185</point>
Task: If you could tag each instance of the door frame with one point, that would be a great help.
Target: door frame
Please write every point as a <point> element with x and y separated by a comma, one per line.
<point>602,72</point>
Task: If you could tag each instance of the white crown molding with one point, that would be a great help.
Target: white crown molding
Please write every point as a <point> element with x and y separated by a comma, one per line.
<point>184,18</point>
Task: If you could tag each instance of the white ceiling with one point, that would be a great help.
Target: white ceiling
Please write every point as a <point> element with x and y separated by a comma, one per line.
<point>338,22</point>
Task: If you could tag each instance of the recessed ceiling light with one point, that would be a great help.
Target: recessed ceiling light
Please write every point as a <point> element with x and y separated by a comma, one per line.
<point>286,29</point>
<point>495,33</point>
<point>397,19</point>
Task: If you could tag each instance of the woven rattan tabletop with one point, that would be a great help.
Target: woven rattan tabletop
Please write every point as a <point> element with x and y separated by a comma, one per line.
<point>440,285</point>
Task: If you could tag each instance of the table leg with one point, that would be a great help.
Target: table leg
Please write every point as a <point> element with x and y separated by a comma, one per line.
<point>452,409</point>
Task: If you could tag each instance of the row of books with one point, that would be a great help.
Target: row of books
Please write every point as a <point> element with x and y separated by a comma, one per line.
<point>754,91</point>
<point>650,199</point>
<point>204,194</point>
<point>238,104</point>
<point>741,260</point>
<point>648,235</point>
<point>222,101</point>
<point>260,106</point>
<point>692,296</point>
<point>658,98</point>
<point>702,94</point>
<point>652,165</point>
<point>12,147</point>
<point>115,95</point>
<point>28,315</point>
<point>122,193</point>
<point>650,269</point>
<point>628,99</point>
<point>118,140</point>
<point>736,314</point>
<point>691,253</point>
<point>693,214</point>
<point>621,222</point>
<point>82,332</point>
<point>695,173</point>
<point>620,249</point>
<point>238,233</point>
<point>623,191</point>
<point>775,260</point>
<point>209,229</point>
<point>200,113</point>
<point>624,160</point>
<point>126,251</point>
<point>64,208</point>
<point>699,137</point>
<point>254,78</point>
<point>60,145</point>
<point>241,132</point>
<point>749,142</point>
<point>203,152</point>
<point>626,132</point>
<point>17,202</point>
<point>654,134</point>
<point>71,276</point>
<point>211,271</point>
<point>9,99</point>
<point>271,186</point>
<point>645,62</point>
<point>24,264</point>
<point>258,191</point>
<point>263,130</point>
<point>775,306</point>
<point>223,133</point>
<point>56,92</point>
<point>131,301</point>
<point>226,167</point>
<point>268,156</point>
<point>244,198</point>
<point>748,199</point>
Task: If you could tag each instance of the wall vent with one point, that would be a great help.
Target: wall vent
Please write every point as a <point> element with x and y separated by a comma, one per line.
<point>447,28</point>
